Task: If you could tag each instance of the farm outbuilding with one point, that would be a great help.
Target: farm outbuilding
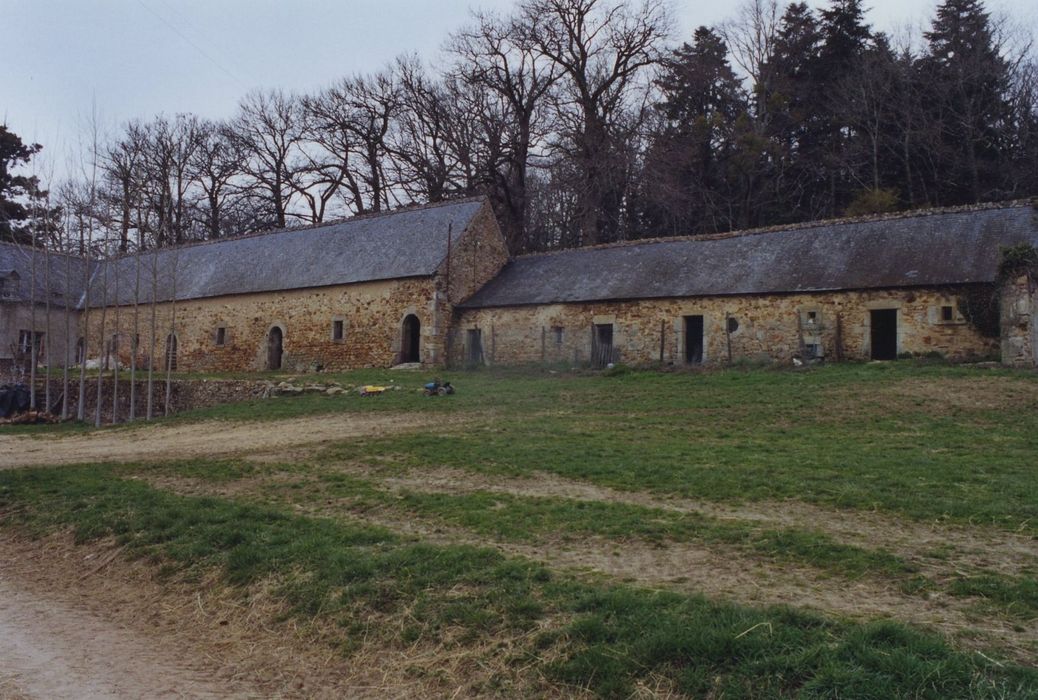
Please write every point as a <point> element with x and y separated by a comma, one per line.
<point>916,283</point>
<point>434,285</point>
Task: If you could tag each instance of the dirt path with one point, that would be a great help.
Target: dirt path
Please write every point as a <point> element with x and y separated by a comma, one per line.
<point>699,569</point>
<point>980,547</point>
<point>207,439</point>
<point>52,649</point>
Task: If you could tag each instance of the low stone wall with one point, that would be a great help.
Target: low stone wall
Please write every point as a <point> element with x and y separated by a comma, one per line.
<point>1019,320</point>
<point>184,395</point>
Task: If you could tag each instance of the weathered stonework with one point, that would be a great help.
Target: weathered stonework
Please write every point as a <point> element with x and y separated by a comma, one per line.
<point>775,327</point>
<point>372,316</point>
<point>16,317</point>
<point>1019,321</point>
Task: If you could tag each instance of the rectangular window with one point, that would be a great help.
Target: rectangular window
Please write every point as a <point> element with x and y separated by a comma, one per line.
<point>947,313</point>
<point>812,318</point>
<point>221,336</point>
<point>25,342</point>
<point>338,329</point>
<point>557,335</point>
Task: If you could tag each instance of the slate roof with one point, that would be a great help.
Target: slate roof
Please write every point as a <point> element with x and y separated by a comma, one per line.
<point>17,260</point>
<point>920,249</point>
<point>398,244</point>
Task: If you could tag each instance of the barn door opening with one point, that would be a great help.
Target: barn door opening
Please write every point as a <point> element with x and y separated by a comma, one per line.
<point>411,338</point>
<point>601,344</point>
<point>171,352</point>
<point>275,348</point>
<point>694,340</point>
<point>884,334</point>
<point>474,345</point>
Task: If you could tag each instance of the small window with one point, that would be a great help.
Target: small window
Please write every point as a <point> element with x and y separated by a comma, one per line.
<point>25,342</point>
<point>947,313</point>
<point>557,335</point>
<point>221,336</point>
<point>733,324</point>
<point>812,318</point>
<point>338,330</point>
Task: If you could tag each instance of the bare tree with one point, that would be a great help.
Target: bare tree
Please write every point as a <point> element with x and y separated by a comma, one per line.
<point>498,56</point>
<point>268,130</point>
<point>603,51</point>
<point>352,119</point>
<point>215,164</point>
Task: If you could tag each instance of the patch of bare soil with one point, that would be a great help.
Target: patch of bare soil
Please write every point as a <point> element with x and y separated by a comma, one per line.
<point>81,621</point>
<point>976,547</point>
<point>721,573</point>
<point>712,570</point>
<point>206,439</point>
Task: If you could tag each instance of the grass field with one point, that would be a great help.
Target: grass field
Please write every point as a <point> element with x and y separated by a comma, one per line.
<point>847,531</point>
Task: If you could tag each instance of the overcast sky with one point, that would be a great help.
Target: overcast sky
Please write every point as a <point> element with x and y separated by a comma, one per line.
<point>139,58</point>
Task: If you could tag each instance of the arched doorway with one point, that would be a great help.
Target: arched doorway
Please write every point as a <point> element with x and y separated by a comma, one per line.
<point>171,352</point>
<point>410,339</point>
<point>275,348</point>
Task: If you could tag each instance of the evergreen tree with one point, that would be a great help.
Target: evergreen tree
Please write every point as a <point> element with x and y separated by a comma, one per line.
<point>692,159</point>
<point>968,83</point>
<point>18,193</point>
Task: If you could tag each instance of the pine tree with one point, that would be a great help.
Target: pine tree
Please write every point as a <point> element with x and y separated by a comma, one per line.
<point>968,81</point>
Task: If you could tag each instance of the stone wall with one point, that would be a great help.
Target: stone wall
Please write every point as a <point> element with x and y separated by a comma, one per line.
<point>371,314</point>
<point>17,316</point>
<point>184,395</point>
<point>476,257</point>
<point>763,327</point>
<point>1019,321</point>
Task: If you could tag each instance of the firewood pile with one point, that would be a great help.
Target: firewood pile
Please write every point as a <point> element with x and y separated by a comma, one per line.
<point>30,418</point>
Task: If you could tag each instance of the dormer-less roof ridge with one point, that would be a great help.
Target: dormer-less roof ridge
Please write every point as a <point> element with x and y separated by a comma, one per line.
<point>801,226</point>
<point>398,244</point>
<point>366,216</point>
<point>952,246</point>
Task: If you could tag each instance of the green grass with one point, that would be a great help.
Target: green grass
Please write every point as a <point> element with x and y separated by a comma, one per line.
<point>941,444</point>
<point>509,517</point>
<point>605,637</point>
<point>842,436</point>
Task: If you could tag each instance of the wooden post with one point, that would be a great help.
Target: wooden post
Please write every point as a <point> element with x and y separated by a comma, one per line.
<point>663,331</point>
<point>838,341</point>
<point>493,344</point>
<point>543,343</point>
<point>728,334</point>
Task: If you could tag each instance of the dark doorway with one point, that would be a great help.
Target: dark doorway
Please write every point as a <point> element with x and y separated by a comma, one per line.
<point>474,343</point>
<point>275,348</point>
<point>410,340</point>
<point>694,340</point>
<point>601,344</point>
<point>171,352</point>
<point>884,334</point>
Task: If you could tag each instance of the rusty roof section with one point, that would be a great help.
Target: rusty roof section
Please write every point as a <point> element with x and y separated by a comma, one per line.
<point>926,248</point>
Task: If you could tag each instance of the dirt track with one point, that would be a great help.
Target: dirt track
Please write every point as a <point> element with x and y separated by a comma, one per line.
<point>209,439</point>
<point>53,650</point>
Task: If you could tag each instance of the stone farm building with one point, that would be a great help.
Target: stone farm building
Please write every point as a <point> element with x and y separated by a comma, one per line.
<point>434,285</point>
